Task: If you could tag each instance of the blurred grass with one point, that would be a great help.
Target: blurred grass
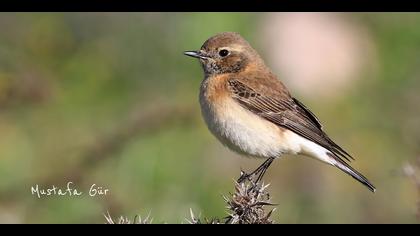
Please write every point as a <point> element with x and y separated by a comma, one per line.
<point>69,81</point>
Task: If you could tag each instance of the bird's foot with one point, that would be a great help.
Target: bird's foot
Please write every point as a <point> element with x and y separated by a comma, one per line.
<point>244,176</point>
<point>257,175</point>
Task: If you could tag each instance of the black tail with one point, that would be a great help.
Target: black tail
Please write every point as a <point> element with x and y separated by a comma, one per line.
<point>353,173</point>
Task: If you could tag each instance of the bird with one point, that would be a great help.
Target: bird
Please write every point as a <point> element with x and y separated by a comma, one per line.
<point>249,110</point>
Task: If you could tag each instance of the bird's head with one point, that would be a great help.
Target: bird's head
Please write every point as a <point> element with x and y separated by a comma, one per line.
<point>225,53</point>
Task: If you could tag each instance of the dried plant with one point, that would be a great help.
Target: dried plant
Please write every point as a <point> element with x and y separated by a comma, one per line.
<point>245,206</point>
<point>124,220</point>
<point>197,221</point>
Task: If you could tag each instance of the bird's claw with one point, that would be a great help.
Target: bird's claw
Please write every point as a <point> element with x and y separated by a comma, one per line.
<point>245,176</point>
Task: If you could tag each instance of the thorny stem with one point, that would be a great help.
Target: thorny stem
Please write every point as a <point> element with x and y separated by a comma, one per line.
<point>245,206</point>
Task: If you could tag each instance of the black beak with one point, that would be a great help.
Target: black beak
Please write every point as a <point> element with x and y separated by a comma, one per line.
<point>196,54</point>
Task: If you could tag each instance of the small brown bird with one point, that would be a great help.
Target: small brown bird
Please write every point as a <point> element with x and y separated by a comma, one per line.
<point>250,110</point>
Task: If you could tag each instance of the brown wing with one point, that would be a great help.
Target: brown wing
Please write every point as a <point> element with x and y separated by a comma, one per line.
<point>286,112</point>
<point>308,113</point>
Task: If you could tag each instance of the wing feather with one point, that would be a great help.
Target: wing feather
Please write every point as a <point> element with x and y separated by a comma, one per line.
<point>288,113</point>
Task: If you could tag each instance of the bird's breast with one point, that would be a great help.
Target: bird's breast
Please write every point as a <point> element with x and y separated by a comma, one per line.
<point>240,129</point>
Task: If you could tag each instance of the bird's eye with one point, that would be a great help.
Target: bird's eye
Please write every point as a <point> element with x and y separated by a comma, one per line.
<point>223,52</point>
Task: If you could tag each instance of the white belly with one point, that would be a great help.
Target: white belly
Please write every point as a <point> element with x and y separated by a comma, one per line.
<point>245,132</point>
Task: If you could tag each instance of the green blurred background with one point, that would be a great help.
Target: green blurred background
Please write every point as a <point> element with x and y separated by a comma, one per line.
<point>108,98</point>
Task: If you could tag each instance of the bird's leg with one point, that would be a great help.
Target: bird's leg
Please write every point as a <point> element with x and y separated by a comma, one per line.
<point>265,168</point>
<point>260,171</point>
